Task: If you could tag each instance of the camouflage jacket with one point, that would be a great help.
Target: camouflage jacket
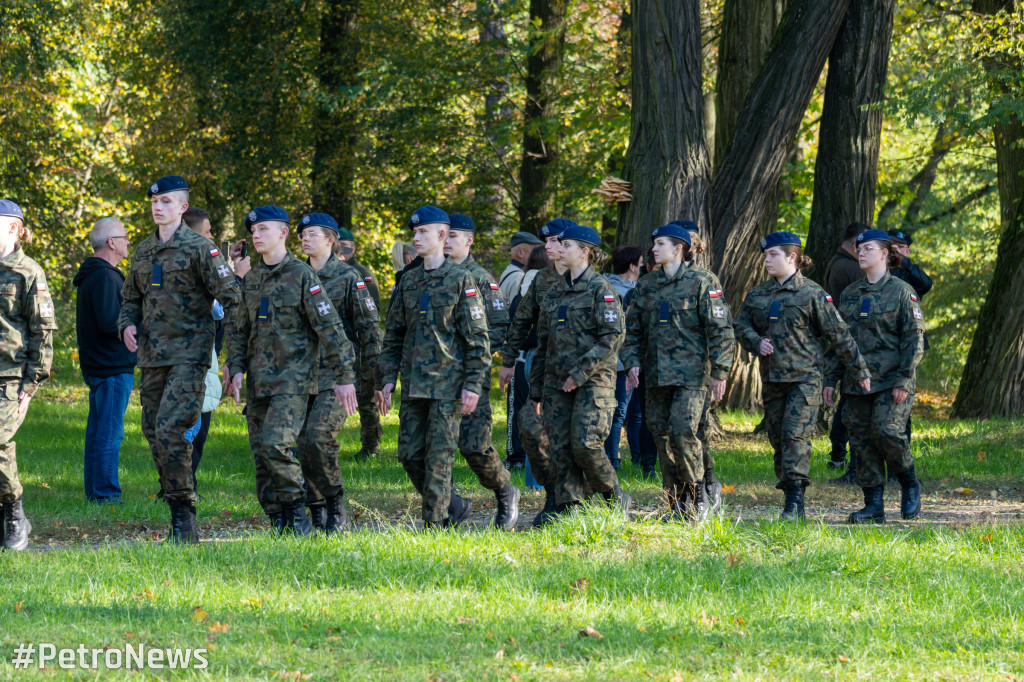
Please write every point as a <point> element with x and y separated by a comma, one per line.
<point>579,332</point>
<point>679,330</point>
<point>436,335</point>
<point>168,293</point>
<point>368,279</point>
<point>359,316</point>
<point>527,314</point>
<point>494,302</point>
<point>886,322</point>
<point>284,319</point>
<point>26,322</point>
<point>798,318</point>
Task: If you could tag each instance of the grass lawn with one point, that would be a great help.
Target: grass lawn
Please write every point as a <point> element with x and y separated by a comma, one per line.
<point>594,597</point>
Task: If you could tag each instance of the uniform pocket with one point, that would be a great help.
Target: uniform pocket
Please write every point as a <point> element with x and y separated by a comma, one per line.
<point>178,275</point>
<point>684,311</point>
<point>10,298</point>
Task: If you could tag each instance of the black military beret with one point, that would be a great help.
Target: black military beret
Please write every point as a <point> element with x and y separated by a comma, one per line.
<point>168,183</point>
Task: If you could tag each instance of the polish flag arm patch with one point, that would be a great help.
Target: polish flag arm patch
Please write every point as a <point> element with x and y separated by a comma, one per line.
<point>315,289</point>
<point>714,293</point>
<point>470,292</point>
<point>828,298</point>
<point>214,252</point>
<point>360,285</point>
<point>913,297</point>
<point>609,298</point>
<point>494,287</point>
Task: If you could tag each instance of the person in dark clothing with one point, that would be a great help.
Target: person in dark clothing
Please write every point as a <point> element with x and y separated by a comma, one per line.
<point>108,368</point>
<point>842,271</point>
<point>911,273</point>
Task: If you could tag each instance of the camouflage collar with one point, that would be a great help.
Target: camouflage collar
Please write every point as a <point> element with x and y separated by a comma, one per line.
<point>584,277</point>
<point>441,270</point>
<point>795,281</point>
<point>663,278</point>
<point>271,269</point>
<point>173,241</point>
<point>879,284</point>
<point>14,258</point>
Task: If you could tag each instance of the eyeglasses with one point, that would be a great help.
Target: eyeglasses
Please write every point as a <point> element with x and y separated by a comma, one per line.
<point>312,234</point>
<point>866,249</point>
<point>121,236</point>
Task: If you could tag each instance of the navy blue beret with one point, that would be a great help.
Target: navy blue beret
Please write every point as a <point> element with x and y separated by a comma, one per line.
<point>581,233</point>
<point>780,239</point>
<point>873,236</point>
<point>687,225</point>
<point>9,208</point>
<point>900,237</point>
<point>555,227</point>
<point>318,220</point>
<point>168,183</point>
<point>261,213</point>
<point>673,230</point>
<point>461,222</point>
<point>425,215</point>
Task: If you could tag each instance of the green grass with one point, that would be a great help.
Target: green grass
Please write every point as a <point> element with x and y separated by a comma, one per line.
<point>755,600</point>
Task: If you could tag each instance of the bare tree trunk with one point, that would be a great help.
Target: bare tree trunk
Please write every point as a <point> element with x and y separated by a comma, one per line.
<point>540,132</point>
<point>494,45</point>
<point>667,161</point>
<point>846,170</point>
<point>623,81</point>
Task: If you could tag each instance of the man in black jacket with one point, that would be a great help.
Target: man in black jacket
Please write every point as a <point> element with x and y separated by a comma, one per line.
<point>107,366</point>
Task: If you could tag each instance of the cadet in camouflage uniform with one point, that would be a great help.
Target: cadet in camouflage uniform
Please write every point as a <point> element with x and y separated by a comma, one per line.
<point>785,322</point>
<point>168,293</point>
<point>572,381</point>
<point>532,434</point>
<point>318,439</point>
<point>679,331</point>
<point>885,320</point>
<point>284,324</point>
<point>476,429</point>
<point>26,352</point>
<point>436,337</point>
<point>370,430</point>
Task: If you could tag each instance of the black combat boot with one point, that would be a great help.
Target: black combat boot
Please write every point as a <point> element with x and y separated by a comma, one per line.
<point>3,525</point>
<point>681,502</point>
<point>649,472</point>
<point>507,514</point>
<point>318,517</point>
<point>335,515</point>
<point>458,509</point>
<point>16,526</point>
<point>617,499</point>
<point>366,454</point>
<point>793,508</point>
<point>910,502</point>
<point>850,477</point>
<point>276,520</point>
<point>548,513</point>
<point>713,489</point>
<point>701,505</point>
<point>295,519</point>
<point>874,506</point>
<point>183,523</point>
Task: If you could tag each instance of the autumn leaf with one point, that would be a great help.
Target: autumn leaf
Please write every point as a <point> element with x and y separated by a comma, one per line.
<point>148,594</point>
<point>843,659</point>
<point>18,606</point>
<point>499,654</point>
<point>44,484</point>
<point>963,491</point>
<point>254,602</point>
<point>733,561</point>
<point>728,489</point>
<point>295,675</point>
<point>580,585</point>
<point>198,615</point>
<point>589,631</point>
<point>219,627</point>
<point>982,455</point>
<point>465,619</point>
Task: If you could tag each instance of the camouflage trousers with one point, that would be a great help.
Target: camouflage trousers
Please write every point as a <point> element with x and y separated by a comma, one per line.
<point>172,402</point>
<point>10,420</point>
<point>317,446</point>
<point>578,424</point>
<point>534,440</point>
<point>878,435</point>
<point>428,434</point>
<point>275,424</point>
<point>475,435</point>
<point>370,430</point>
<point>702,432</point>
<point>673,416</point>
<point>790,412</point>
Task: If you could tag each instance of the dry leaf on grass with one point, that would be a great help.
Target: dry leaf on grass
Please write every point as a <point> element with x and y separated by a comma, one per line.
<point>589,631</point>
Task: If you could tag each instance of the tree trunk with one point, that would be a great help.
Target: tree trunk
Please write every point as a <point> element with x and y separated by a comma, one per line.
<point>667,161</point>
<point>494,48</point>
<point>334,156</point>
<point>541,131</point>
<point>846,170</point>
<point>616,161</point>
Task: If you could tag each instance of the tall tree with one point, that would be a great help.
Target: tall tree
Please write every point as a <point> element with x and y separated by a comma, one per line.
<point>541,134</point>
<point>334,155</point>
<point>497,111</point>
<point>849,139</point>
<point>667,161</point>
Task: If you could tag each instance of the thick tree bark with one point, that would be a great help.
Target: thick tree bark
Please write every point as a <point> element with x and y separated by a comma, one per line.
<point>846,170</point>
<point>667,161</point>
<point>334,156</point>
<point>541,134</point>
<point>623,81</point>
<point>494,45</point>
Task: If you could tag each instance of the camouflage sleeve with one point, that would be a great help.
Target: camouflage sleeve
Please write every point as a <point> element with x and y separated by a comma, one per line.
<point>911,340</point>
<point>131,301</point>
<point>497,312</point>
<point>362,311</point>
<point>38,312</point>
<point>220,281</point>
<point>833,365</point>
<point>608,337</point>
<point>840,342</point>
<point>324,319</point>
<point>747,335</point>
<point>519,327</point>
<point>390,357</point>
<point>471,323</point>
<point>236,339</point>
<point>717,322</point>
<point>537,368</point>
<point>634,347</point>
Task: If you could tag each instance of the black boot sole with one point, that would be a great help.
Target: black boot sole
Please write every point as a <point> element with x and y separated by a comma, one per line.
<point>877,519</point>
<point>21,544</point>
<point>513,518</point>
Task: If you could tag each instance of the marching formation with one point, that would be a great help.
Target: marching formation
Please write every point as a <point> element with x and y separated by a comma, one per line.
<point>304,336</point>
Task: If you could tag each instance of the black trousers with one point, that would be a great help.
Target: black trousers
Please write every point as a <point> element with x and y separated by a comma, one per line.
<point>518,394</point>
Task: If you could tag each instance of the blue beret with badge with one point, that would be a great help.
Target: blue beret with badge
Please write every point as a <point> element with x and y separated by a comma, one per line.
<point>318,220</point>
<point>168,183</point>
<point>425,215</point>
<point>264,213</point>
<point>687,225</point>
<point>554,228</point>
<point>9,208</point>
<point>673,230</point>
<point>461,222</point>
<point>780,239</point>
<point>900,237</point>
<point>873,236</point>
<point>582,234</point>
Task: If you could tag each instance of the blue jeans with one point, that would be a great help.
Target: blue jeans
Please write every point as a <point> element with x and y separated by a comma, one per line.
<point>527,363</point>
<point>622,396</point>
<point>642,449</point>
<point>104,432</point>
